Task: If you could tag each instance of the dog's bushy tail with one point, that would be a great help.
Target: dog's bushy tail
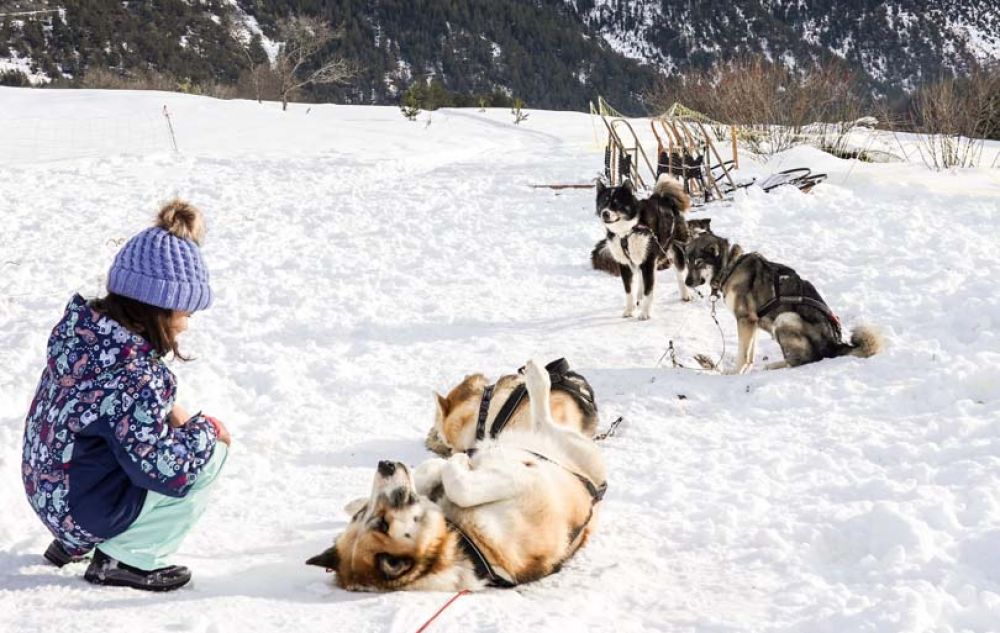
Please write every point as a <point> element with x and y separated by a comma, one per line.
<point>601,259</point>
<point>672,191</point>
<point>865,341</point>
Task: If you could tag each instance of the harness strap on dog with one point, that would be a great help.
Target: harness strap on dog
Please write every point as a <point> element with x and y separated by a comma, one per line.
<point>507,410</point>
<point>559,373</point>
<point>484,410</point>
<point>797,295</point>
<point>809,301</point>
<point>503,416</point>
<point>596,491</point>
<point>482,566</point>
<point>479,561</point>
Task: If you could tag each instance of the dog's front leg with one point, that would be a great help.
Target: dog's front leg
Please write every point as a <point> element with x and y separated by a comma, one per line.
<point>468,488</point>
<point>427,476</point>
<point>539,385</point>
<point>581,451</point>
<point>747,333</point>
<point>648,273</point>
<point>626,272</point>
<point>686,294</point>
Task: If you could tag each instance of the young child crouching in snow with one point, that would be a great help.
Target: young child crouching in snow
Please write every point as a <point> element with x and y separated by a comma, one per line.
<point>109,460</point>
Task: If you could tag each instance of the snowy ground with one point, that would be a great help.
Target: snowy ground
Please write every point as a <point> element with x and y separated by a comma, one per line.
<point>361,261</point>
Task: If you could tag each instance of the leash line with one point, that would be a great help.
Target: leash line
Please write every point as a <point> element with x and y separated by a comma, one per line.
<point>612,429</point>
<point>702,359</point>
<point>458,595</point>
<point>718,364</point>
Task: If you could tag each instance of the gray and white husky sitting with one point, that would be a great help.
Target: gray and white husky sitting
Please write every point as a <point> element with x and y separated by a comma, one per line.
<point>639,235</point>
<point>765,295</point>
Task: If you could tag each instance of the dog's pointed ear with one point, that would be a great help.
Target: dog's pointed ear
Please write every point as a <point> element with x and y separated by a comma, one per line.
<point>329,559</point>
<point>627,185</point>
<point>716,247</point>
<point>442,405</point>
<point>600,187</point>
<point>353,507</point>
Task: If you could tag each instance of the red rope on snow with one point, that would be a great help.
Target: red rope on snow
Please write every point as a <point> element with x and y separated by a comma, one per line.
<point>439,611</point>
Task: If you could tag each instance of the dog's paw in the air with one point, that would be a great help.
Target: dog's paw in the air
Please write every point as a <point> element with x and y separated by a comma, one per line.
<point>536,378</point>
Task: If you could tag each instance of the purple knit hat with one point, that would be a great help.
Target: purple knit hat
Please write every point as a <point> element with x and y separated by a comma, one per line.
<point>162,266</point>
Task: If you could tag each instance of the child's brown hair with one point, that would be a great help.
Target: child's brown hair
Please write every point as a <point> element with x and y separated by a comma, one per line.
<point>149,321</point>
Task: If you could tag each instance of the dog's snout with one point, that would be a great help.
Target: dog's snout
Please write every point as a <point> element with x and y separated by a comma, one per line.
<point>386,469</point>
<point>606,215</point>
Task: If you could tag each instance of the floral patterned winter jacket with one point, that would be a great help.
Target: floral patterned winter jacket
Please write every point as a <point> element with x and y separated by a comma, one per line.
<point>97,435</point>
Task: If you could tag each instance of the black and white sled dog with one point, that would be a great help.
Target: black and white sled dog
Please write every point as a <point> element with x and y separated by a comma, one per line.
<point>765,295</point>
<point>639,237</point>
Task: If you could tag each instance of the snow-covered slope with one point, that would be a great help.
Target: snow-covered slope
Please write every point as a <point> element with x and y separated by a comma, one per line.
<point>361,261</point>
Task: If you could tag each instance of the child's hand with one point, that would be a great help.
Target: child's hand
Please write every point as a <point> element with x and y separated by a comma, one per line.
<point>178,416</point>
<point>221,432</point>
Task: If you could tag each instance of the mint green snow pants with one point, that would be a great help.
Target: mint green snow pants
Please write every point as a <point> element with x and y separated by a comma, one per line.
<point>164,521</point>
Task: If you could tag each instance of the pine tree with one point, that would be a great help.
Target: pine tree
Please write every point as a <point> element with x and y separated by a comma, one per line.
<point>410,105</point>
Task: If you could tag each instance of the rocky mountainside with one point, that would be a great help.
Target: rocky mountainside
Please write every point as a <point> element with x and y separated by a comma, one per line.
<point>897,44</point>
<point>552,53</point>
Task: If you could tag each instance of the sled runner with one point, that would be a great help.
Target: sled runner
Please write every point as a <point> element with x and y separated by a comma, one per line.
<point>687,148</point>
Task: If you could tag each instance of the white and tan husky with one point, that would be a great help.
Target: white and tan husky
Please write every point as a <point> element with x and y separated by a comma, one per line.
<point>511,510</point>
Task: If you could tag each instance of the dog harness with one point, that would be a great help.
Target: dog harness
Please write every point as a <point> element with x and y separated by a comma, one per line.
<point>623,241</point>
<point>569,382</point>
<point>501,578</point>
<point>789,289</point>
<point>482,566</point>
<point>561,376</point>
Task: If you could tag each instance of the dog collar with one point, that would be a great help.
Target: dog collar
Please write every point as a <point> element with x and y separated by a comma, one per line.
<point>484,411</point>
<point>727,272</point>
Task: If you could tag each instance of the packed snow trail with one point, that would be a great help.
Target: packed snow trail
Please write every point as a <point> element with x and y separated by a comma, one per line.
<point>361,261</point>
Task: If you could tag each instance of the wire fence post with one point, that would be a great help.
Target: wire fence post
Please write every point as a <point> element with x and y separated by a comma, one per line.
<point>170,126</point>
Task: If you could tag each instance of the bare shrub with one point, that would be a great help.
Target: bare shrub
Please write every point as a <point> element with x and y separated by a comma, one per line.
<point>253,81</point>
<point>952,116</point>
<point>216,90</point>
<point>299,62</point>
<point>991,102</point>
<point>110,79</point>
<point>259,82</point>
<point>774,107</point>
<point>14,78</point>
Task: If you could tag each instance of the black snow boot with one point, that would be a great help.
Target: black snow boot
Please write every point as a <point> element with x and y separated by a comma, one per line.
<point>105,570</point>
<point>58,556</point>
